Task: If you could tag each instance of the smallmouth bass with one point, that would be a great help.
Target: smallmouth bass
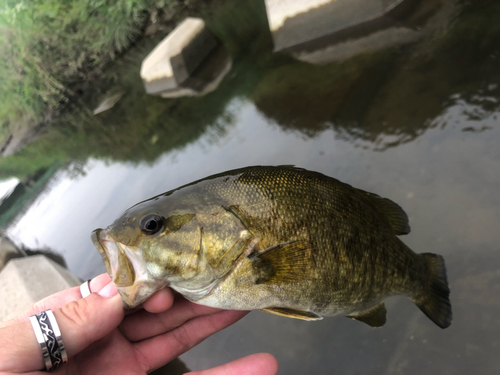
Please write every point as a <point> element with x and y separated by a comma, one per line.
<point>280,239</point>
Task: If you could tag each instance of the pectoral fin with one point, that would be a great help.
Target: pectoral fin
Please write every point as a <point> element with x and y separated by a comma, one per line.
<point>283,263</point>
<point>291,313</point>
<point>375,316</point>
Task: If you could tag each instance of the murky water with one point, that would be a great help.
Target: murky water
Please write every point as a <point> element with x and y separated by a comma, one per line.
<point>418,123</point>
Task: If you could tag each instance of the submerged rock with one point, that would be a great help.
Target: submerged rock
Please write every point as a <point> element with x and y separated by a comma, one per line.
<point>108,102</point>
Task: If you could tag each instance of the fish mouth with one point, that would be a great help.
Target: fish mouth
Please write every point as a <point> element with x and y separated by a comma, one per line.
<point>127,268</point>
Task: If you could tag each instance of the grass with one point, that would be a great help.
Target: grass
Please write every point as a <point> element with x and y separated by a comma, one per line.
<point>50,46</point>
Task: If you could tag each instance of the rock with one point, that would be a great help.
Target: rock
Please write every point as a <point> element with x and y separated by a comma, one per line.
<point>205,79</point>
<point>27,280</point>
<point>108,102</point>
<point>321,31</point>
<point>177,56</point>
<point>294,22</point>
<point>18,139</point>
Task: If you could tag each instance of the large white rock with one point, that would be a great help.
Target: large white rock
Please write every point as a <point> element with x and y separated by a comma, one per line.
<point>321,31</point>
<point>177,56</point>
<point>293,22</point>
<point>24,281</point>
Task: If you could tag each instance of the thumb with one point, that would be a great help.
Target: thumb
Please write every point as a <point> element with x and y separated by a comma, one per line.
<point>89,319</point>
<point>255,364</point>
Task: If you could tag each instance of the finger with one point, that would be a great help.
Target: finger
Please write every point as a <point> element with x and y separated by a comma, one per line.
<point>159,350</point>
<point>58,300</point>
<point>81,322</point>
<point>258,364</point>
<point>142,325</point>
<point>159,302</point>
<point>87,320</point>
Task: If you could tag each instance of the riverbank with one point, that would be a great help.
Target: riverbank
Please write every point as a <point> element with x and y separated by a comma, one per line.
<point>57,53</point>
<point>75,133</point>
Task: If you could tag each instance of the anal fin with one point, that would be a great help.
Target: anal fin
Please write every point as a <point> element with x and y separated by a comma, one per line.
<point>375,316</point>
<point>292,313</point>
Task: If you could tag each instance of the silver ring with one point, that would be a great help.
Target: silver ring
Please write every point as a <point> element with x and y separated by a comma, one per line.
<point>85,289</point>
<point>49,338</point>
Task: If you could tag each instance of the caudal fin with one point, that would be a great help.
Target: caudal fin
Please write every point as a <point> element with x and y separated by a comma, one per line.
<point>435,302</point>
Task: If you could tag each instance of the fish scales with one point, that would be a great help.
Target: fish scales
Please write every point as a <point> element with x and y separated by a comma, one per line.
<point>282,239</point>
<point>295,202</point>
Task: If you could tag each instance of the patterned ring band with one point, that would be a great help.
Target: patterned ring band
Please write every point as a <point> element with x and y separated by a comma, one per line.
<point>49,338</point>
<point>85,289</point>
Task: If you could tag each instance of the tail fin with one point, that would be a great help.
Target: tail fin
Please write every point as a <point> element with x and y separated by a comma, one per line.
<point>435,302</point>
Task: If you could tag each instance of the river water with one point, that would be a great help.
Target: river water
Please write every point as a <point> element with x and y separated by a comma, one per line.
<point>418,123</point>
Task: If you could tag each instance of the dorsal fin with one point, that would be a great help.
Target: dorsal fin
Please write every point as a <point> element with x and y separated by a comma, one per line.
<point>394,214</point>
<point>283,263</point>
<point>375,316</point>
<point>293,313</point>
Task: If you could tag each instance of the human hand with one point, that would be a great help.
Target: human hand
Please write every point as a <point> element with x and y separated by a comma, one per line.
<point>101,338</point>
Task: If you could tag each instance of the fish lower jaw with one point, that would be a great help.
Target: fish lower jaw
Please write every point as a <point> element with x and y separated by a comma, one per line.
<point>140,291</point>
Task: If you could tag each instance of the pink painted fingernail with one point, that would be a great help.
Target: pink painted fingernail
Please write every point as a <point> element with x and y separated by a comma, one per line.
<point>109,291</point>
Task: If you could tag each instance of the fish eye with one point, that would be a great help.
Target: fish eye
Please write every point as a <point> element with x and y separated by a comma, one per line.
<point>151,224</point>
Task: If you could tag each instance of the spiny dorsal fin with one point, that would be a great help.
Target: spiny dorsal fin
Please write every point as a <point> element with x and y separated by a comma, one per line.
<point>283,263</point>
<point>292,313</point>
<point>435,301</point>
<point>375,316</point>
<point>391,211</point>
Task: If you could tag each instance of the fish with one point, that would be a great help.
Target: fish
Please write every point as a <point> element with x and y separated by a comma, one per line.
<point>280,239</point>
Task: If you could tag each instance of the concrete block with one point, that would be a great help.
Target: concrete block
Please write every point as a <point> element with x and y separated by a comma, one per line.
<point>175,59</point>
<point>205,79</point>
<point>321,31</point>
<point>27,280</point>
<point>294,22</point>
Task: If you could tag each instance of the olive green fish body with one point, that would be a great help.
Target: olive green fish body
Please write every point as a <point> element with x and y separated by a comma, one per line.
<point>280,239</point>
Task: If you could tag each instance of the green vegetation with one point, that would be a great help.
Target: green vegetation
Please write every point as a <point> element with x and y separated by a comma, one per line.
<point>141,127</point>
<point>49,46</point>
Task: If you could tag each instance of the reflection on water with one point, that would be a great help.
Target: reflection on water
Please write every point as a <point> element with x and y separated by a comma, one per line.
<point>418,124</point>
